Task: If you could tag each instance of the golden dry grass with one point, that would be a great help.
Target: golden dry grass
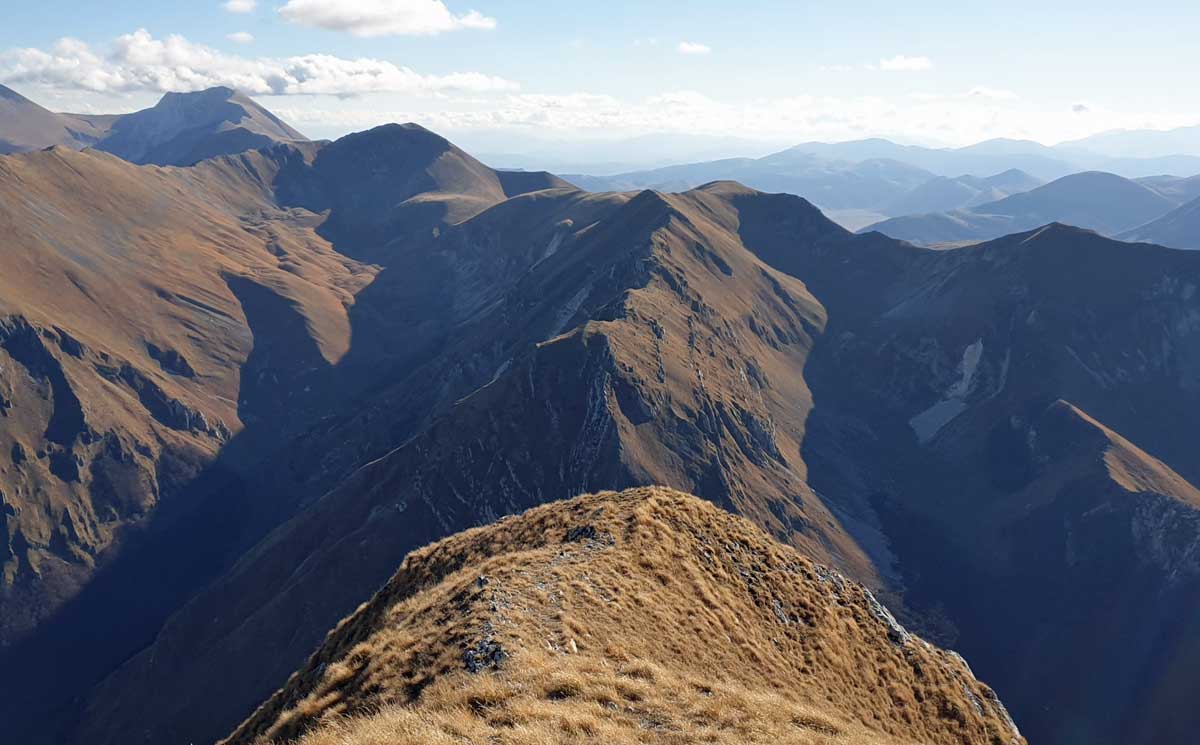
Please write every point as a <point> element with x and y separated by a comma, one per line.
<point>669,621</point>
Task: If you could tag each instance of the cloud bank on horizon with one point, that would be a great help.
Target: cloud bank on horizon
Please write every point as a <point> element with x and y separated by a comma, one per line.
<point>350,64</point>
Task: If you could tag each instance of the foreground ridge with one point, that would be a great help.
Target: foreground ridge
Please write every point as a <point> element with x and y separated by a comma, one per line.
<point>640,616</point>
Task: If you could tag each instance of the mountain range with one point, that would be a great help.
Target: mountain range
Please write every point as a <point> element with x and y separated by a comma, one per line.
<point>862,183</point>
<point>943,194</point>
<point>1103,202</point>
<point>237,395</point>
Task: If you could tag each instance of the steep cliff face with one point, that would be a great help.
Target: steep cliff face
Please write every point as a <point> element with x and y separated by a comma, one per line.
<point>607,618</point>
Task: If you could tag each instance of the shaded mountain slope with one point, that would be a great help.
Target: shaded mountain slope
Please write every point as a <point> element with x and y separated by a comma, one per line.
<point>982,341</point>
<point>1097,201</point>
<point>1179,228</point>
<point>130,301</point>
<point>578,614</point>
<point>152,319</point>
<point>1098,545</point>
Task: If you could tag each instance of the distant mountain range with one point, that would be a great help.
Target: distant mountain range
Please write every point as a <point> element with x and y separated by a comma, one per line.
<point>182,129</point>
<point>862,182</point>
<point>942,193</point>
<point>1139,143</point>
<point>834,184</point>
<point>1104,202</point>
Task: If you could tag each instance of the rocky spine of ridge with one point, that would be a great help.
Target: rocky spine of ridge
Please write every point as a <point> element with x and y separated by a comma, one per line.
<point>608,615</point>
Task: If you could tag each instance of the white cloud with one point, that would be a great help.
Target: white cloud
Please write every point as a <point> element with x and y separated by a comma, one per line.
<point>904,63</point>
<point>691,47</point>
<point>383,17</point>
<point>139,62</point>
<point>240,6</point>
<point>241,37</point>
<point>1081,108</point>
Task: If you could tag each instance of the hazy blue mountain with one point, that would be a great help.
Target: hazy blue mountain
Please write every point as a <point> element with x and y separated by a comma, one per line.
<point>611,156</point>
<point>1140,143</point>
<point>832,184</point>
<point>1103,202</point>
<point>943,194</point>
<point>992,156</point>
<point>1179,228</point>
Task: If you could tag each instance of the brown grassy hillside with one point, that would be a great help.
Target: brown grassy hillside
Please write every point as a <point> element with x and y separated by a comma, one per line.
<point>633,617</point>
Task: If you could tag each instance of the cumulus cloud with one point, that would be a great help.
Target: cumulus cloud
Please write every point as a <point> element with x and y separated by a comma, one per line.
<point>904,63</point>
<point>139,62</point>
<point>383,17</point>
<point>1081,108</point>
<point>241,37</point>
<point>691,47</point>
<point>240,6</point>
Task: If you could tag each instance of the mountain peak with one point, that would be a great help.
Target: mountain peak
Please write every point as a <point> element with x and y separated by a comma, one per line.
<point>217,91</point>
<point>182,128</point>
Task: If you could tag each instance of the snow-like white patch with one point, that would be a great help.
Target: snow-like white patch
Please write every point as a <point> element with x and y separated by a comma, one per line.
<point>560,234</point>
<point>569,310</point>
<point>504,367</point>
<point>928,423</point>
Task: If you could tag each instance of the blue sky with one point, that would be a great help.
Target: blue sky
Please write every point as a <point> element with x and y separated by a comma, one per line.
<point>508,72</point>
